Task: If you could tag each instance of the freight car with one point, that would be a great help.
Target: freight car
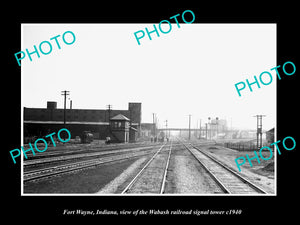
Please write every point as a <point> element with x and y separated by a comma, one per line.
<point>86,137</point>
<point>161,136</point>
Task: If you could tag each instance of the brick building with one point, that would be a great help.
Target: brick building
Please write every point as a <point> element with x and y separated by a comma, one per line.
<point>43,121</point>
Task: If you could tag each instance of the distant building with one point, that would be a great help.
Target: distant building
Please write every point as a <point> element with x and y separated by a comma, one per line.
<point>217,128</point>
<point>270,136</point>
<point>220,124</point>
<point>43,121</point>
<point>147,130</point>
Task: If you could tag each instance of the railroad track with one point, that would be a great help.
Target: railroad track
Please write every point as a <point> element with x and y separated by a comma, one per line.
<point>69,150</point>
<point>152,177</point>
<point>71,167</point>
<point>80,156</point>
<point>227,179</point>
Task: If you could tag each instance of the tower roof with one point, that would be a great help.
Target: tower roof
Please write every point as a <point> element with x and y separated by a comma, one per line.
<point>119,117</point>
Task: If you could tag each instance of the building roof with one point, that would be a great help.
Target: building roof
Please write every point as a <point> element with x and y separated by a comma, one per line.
<point>132,128</point>
<point>70,122</point>
<point>120,117</point>
<point>67,122</point>
<point>147,126</point>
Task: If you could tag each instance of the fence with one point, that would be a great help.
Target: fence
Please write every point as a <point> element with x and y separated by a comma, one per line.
<point>243,146</point>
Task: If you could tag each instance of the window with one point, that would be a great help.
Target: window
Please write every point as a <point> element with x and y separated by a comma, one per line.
<point>117,124</point>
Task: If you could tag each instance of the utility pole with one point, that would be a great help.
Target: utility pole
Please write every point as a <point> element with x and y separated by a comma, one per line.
<point>154,124</point>
<point>190,127</point>
<point>109,107</point>
<point>65,93</point>
<point>70,111</point>
<point>217,122</point>
<point>209,123</point>
<point>166,121</point>
<point>259,131</point>
<point>200,130</point>
<point>196,130</point>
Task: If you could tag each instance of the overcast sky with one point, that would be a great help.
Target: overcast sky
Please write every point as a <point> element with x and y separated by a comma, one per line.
<point>191,70</point>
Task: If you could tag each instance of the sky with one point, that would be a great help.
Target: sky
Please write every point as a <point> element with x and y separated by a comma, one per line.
<point>191,70</point>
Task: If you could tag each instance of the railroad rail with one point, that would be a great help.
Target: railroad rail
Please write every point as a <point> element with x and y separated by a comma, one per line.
<point>227,179</point>
<point>71,167</point>
<point>71,150</point>
<point>152,177</point>
<point>80,156</point>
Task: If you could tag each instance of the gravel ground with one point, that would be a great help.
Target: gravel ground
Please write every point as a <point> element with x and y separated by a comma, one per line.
<point>261,174</point>
<point>150,181</point>
<point>84,181</point>
<point>118,184</point>
<point>186,176</point>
